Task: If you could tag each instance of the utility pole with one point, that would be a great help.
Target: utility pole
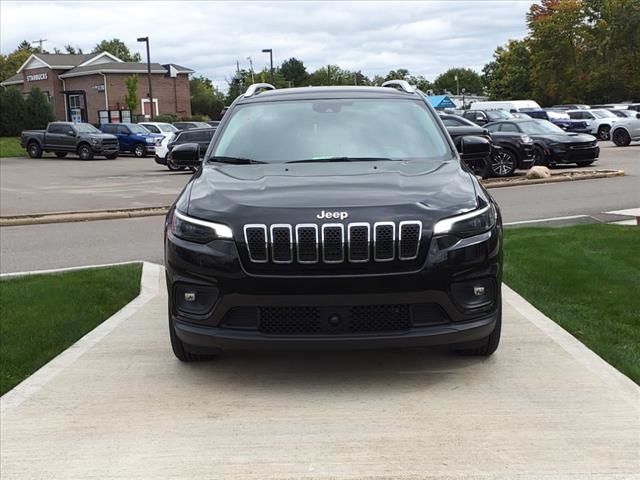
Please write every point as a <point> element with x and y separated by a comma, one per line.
<point>40,42</point>
<point>457,86</point>
<point>146,40</point>
<point>253,80</point>
<point>328,74</point>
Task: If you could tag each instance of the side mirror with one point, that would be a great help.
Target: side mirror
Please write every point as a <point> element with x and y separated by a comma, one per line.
<point>638,115</point>
<point>473,148</point>
<point>186,155</point>
<point>71,133</point>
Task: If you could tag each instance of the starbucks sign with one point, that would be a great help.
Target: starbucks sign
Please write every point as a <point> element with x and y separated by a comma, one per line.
<point>36,77</point>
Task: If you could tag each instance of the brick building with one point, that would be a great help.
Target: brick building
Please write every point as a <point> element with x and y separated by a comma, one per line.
<point>91,88</point>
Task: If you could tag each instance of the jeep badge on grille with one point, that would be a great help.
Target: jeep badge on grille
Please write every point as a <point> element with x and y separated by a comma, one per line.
<point>336,215</point>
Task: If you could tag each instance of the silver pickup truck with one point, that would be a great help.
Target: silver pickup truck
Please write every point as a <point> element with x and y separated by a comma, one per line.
<point>62,138</point>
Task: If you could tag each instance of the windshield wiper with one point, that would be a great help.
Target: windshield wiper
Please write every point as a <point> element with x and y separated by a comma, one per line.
<point>235,160</point>
<point>347,159</point>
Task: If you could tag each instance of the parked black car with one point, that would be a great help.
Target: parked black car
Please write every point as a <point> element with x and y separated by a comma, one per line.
<point>332,216</point>
<point>199,136</point>
<point>482,117</point>
<point>190,125</point>
<point>510,151</point>
<point>62,138</point>
<point>552,145</point>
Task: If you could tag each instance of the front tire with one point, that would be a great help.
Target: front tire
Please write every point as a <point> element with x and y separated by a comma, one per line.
<point>34,150</point>
<point>85,152</point>
<point>621,137</point>
<point>139,150</point>
<point>538,157</point>
<point>181,352</point>
<point>604,132</point>
<point>61,154</point>
<point>503,163</point>
<point>487,345</point>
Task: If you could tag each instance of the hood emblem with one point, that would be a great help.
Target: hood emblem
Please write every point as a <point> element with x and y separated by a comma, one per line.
<point>332,215</point>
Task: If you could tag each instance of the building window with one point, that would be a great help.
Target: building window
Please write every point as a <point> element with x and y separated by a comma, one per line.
<point>76,101</point>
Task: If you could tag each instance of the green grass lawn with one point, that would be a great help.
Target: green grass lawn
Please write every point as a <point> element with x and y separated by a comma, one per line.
<point>587,279</point>
<point>10,147</point>
<point>42,315</point>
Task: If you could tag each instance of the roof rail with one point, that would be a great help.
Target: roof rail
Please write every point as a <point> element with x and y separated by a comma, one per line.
<point>402,85</point>
<point>257,88</point>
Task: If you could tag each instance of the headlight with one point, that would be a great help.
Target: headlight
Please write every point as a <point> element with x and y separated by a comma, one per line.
<point>588,123</point>
<point>149,140</point>
<point>95,141</point>
<point>196,230</point>
<point>526,139</point>
<point>468,224</point>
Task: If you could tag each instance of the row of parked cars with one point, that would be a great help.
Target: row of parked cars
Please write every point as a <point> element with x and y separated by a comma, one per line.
<point>140,139</point>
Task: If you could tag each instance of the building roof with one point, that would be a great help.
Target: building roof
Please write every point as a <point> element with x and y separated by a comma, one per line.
<point>14,80</point>
<point>440,101</point>
<point>179,68</point>
<point>122,67</point>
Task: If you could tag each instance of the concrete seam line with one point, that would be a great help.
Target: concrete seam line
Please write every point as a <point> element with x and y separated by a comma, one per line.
<point>65,269</point>
<point>574,347</point>
<point>149,288</point>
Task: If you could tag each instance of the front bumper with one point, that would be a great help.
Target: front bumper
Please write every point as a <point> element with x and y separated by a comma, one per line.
<point>569,155</point>
<point>160,160</point>
<point>236,309</point>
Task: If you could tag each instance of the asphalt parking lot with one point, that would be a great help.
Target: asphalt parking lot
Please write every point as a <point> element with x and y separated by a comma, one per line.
<point>120,406</point>
<point>49,184</point>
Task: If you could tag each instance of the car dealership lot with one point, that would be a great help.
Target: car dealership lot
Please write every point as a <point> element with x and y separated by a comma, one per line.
<point>121,406</point>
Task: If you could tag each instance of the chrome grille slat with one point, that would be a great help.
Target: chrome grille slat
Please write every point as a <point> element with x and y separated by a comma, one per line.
<point>333,243</point>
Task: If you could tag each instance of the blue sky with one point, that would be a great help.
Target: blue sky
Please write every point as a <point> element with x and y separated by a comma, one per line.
<point>425,37</point>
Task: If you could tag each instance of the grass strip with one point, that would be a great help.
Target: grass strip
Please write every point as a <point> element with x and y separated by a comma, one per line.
<point>42,315</point>
<point>586,278</point>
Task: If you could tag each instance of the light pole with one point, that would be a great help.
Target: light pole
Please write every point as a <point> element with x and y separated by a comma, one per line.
<point>270,52</point>
<point>457,86</point>
<point>146,40</point>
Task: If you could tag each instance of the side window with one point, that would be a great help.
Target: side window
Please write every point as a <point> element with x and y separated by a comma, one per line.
<point>588,116</point>
<point>109,128</point>
<point>449,122</point>
<point>55,128</point>
<point>494,128</point>
<point>185,138</point>
<point>151,128</point>
<point>122,130</point>
<point>204,136</point>
<point>508,127</point>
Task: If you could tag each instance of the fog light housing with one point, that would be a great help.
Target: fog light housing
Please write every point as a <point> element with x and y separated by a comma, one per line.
<point>474,294</point>
<point>194,299</point>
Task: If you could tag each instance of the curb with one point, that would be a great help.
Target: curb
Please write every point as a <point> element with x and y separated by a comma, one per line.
<point>67,217</point>
<point>554,179</point>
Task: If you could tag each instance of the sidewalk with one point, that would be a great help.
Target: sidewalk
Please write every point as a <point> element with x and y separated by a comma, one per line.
<point>122,407</point>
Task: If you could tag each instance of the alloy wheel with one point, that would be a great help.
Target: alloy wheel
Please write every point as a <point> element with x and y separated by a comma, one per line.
<point>503,164</point>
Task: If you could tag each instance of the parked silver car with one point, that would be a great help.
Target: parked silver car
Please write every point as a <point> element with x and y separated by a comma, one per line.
<point>626,131</point>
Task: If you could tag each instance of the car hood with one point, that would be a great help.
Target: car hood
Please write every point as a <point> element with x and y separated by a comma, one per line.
<point>102,136</point>
<point>296,192</point>
<point>567,137</point>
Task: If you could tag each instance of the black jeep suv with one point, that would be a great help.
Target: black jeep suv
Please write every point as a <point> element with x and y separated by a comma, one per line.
<point>337,216</point>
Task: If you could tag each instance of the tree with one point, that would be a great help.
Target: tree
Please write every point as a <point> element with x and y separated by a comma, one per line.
<point>206,100</point>
<point>294,72</point>
<point>9,64</point>
<point>12,112</point>
<point>467,79</point>
<point>118,48</point>
<point>38,110</point>
<point>131,97</point>
<point>508,76</point>
<point>72,50</point>
<point>400,74</point>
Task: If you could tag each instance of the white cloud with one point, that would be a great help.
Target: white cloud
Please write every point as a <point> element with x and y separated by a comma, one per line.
<point>425,37</point>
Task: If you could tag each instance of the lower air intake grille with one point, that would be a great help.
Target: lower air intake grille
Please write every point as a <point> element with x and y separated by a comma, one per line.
<point>290,320</point>
<point>379,318</point>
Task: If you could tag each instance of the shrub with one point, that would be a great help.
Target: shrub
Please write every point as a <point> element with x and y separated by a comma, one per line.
<point>165,118</point>
<point>12,112</point>
<point>38,110</point>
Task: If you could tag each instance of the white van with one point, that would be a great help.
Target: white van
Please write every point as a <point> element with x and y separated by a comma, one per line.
<point>508,105</point>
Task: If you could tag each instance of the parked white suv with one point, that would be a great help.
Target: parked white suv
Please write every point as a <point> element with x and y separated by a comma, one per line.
<point>626,131</point>
<point>599,121</point>
<point>165,129</point>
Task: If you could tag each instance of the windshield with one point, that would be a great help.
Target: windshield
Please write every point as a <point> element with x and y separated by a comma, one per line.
<point>539,127</point>
<point>495,115</point>
<point>602,114</point>
<point>86,128</point>
<point>317,130</point>
<point>138,129</point>
<point>167,127</point>
<point>558,115</point>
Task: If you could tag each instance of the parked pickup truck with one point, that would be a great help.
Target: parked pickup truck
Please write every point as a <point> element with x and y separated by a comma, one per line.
<point>62,138</point>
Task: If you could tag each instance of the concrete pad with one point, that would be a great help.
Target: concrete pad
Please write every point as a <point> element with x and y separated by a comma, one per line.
<point>543,407</point>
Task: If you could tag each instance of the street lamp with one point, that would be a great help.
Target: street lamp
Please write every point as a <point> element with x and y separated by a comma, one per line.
<point>270,52</point>
<point>146,40</point>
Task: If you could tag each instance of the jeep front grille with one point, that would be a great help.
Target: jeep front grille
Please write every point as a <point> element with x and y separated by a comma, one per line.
<point>333,243</point>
